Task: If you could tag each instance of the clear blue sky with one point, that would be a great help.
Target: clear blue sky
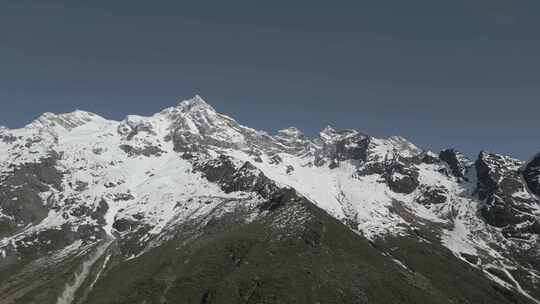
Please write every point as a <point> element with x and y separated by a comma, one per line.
<point>462,74</point>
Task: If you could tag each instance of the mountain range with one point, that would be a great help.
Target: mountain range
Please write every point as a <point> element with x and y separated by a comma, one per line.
<point>189,206</point>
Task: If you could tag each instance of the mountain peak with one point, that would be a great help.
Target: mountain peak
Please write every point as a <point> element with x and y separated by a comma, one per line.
<point>196,102</point>
<point>328,129</point>
<point>328,132</point>
<point>290,132</point>
<point>66,120</point>
<point>534,158</point>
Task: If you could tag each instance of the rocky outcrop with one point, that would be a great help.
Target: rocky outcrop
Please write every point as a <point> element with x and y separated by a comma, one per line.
<point>500,186</point>
<point>292,138</point>
<point>145,150</point>
<point>400,174</point>
<point>433,196</point>
<point>457,162</point>
<point>196,127</point>
<point>337,146</point>
<point>20,193</point>
<point>67,121</point>
<point>531,173</point>
<point>6,137</point>
<point>133,125</point>
<point>245,178</point>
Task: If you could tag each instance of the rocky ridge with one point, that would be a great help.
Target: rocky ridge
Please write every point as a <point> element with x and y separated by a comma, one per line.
<point>70,183</point>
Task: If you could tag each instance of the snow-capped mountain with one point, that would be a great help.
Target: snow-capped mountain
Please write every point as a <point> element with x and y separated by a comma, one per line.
<point>101,211</point>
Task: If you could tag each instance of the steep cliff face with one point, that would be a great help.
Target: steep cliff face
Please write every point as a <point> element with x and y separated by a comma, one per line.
<point>457,162</point>
<point>531,173</point>
<point>508,203</point>
<point>189,203</point>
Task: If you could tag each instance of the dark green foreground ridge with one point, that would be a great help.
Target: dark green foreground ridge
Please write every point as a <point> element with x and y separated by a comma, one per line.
<point>294,253</point>
<point>312,259</point>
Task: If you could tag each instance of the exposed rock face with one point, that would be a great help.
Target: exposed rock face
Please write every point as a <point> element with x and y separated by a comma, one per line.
<point>134,125</point>
<point>66,121</point>
<point>20,193</point>
<point>531,173</point>
<point>428,157</point>
<point>276,160</point>
<point>457,162</point>
<point>231,179</point>
<point>433,196</point>
<point>400,177</point>
<point>340,146</point>
<point>501,186</point>
<point>6,136</point>
<point>220,170</point>
<point>294,139</point>
<point>197,126</point>
<point>250,179</point>
<point>289,169</point>
<point>146,150</point>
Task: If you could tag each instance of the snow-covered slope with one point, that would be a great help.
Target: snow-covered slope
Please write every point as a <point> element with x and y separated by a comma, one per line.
<point>70,180</point>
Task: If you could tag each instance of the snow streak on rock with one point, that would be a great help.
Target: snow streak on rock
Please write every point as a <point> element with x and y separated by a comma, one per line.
<point>68,295</point>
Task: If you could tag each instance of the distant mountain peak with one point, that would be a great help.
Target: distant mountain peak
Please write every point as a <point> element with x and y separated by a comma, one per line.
<point>66,120</point>
<point>328,129</point>
<point>290,132</point>
<point>193,103</point>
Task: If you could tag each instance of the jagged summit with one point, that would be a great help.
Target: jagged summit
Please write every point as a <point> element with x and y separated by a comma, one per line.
<point>195,115</point>
<point>329,133</point>
<point>194,102</point>
<point>187,200</point>
<point>457,161</point>
<point>194,119</point>
<point>66,120</point>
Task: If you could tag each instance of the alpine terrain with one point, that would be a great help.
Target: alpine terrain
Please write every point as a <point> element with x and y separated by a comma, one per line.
<point>189,206</point>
